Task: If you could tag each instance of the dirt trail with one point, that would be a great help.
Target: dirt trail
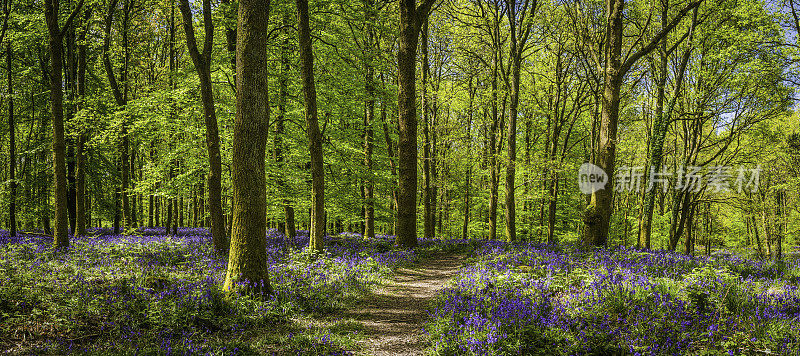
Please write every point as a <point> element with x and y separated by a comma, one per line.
<point>394,316</point>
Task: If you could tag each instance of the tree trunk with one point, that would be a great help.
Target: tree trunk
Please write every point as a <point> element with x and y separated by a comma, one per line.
<point>519,36</point>
<point>117,216</point>
<point>369,118</point>
<point>689,242</point>
<point>597,215</point>
<point>780,226</point>
<point>80,160</point>
<point>247,261</point>
<point>390,153</point>
<point>314,136</point>
<point>411,19</point>
<point>288,209</point>
<point>202,62</point>
<point>12,150</point>
<point>494,149</point>
<point>465,226</point>
<point>429,198</point>
<point>660,126</point>
<point>55,37</point>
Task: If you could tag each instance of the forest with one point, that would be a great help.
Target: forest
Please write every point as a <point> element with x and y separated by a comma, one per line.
<point>400,177</point>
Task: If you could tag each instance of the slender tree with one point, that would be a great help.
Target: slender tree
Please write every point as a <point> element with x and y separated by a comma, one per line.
<point>314,136</point>
<point>12,148</point>
<point>202,63</point>
<point>661,123</point>
<point>121,99</point>
<point>55,41</point>
<point>520,21</point>
<point>80,159</point>
<point>247,261</point>
<point>288,208</point>
<point>369,118</point>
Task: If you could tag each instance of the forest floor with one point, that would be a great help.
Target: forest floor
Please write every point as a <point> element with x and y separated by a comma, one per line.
<point>394,315</point>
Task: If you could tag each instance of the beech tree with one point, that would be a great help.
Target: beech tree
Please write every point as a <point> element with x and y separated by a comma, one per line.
<point>247,261</point>
<point>317,229</point>
<point>412,17</point>
<point>202,64</point>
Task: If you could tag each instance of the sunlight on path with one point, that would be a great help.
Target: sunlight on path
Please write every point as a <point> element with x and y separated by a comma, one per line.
<point>394,316</point>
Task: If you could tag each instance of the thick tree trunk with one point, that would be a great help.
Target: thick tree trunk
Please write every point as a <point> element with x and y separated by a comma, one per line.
<point>247,261</point>
<point>314,136</point>
<point>598,213</point>
<point>411,19</point>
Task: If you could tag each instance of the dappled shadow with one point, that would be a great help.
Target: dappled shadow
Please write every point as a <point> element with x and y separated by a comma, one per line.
<point>393,316</point>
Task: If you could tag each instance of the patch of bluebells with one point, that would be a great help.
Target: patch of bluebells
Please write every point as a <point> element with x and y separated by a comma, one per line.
<point>154,293</point>
<point>537,299</point>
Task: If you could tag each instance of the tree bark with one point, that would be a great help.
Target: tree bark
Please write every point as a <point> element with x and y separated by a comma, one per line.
<point>288,208</point>
<point>780,226</point>
<point>80,160</point>
<point>519,37</point>
<point>660,126</point>
<point>12,149</point>
<point>494,148</point>
<point>55,39</point>
<point>202,63</point>
<point>429,198</point>
<point>597,214</point>
<point>369,118</point>
<point>467,186</point>
<point>314,136</point>
<point>247,261</point>
<point>411,19</point>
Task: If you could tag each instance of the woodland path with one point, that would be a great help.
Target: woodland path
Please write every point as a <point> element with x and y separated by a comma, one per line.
<point>394,315</point>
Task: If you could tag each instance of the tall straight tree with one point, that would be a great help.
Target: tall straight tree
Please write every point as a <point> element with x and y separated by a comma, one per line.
<point>283,94</point>
<point>121,98</point>
<point>314,136</point>
<point>369,118</point>
<point>520,19</point>
<point>55,44</point>
<point>411,19</point>
<point>202,63</point>
<point>597,214</point>
<point>12,150</point>
<point>429,195</point>
<point>247,261</point>
<point>80,160</point>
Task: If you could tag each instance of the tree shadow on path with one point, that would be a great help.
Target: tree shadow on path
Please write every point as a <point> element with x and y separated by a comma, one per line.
<point>393,316</point>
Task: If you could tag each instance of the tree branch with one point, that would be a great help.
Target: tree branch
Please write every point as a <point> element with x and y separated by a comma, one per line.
<point>657,38</point>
